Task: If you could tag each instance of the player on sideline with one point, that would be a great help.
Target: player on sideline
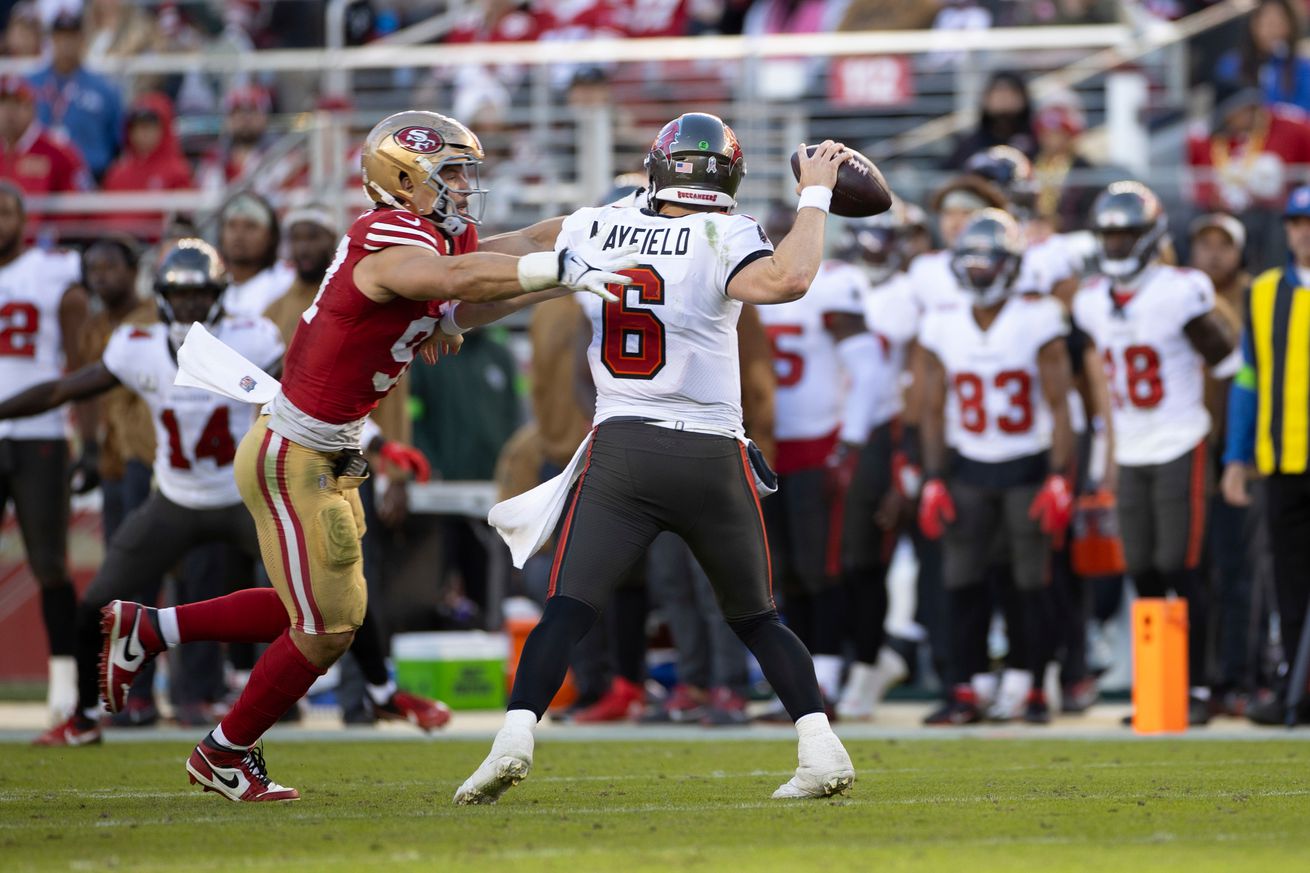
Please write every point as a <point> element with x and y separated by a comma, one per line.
<point>43,311</point>
<point>299,466</point>
<point>995,378</point>
<point>665,454</point>
<point>1158,329</point>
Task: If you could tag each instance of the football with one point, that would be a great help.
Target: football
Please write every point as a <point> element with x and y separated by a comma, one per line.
<point>861,190</point>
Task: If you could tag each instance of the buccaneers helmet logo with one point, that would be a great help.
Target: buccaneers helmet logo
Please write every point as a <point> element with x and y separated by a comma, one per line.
<point>423,140</point>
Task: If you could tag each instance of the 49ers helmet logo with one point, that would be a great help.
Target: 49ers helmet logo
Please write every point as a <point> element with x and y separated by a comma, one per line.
<point>423,140</point>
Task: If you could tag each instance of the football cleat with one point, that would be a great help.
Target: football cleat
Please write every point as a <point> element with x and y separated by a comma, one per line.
<point>238,774</point>
<point>131,640</point>
<point>1078,697</point>
<point>686,705</point>
<point>623,701</point>
<point>508,764</point>
<point>138,712</point>
<point>961,709</point>
<point>1037,710</point>
<point>418,711</point>
<point>824,770</point>
<point>77,730</point>
<point>868,684</point>
<point>1012,696</point>
<point>726,708</point>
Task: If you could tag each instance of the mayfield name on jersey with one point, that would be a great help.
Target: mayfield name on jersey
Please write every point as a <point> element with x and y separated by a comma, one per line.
<point>810,387</point>
<point>668,349</point>
<point>32,288</point>
<point>196,431</point>
<point>995,411</point>
<point>1156,376</point>
<point>350,351</point>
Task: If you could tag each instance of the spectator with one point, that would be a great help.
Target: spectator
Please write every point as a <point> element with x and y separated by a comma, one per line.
<point>73,101</point>
<point>961,15</point>
<point>23,32</point>
<point>1006,120</point>
<point>30,156</point>
<point>117,29</point>
<point>241,156</point>
<point>1061,204</point>
<point>1246,164</point>
<point>248,239</point>
<point>151,161</point>
<point>887,15</point>
<point>1267,58</point>
<point>790,16</point>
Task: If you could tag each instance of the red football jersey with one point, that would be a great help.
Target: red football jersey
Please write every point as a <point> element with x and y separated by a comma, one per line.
<point>349,351</point>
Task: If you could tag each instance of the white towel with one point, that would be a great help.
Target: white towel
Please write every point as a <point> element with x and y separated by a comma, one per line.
<point>525,522</point>
<point>205,361</point>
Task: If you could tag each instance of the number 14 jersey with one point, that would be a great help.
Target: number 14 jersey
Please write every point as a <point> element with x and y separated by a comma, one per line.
<point>196,431</point>
<point>668,349</point>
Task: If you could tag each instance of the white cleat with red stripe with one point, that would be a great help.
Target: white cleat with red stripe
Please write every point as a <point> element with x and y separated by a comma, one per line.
<point>131,640</point>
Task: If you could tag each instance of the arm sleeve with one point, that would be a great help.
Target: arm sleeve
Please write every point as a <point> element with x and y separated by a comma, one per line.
<point>743,243</point>
<point>859,355</point>
<point>1242,401</point>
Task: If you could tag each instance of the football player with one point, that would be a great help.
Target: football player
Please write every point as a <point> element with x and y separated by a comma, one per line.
<point>1158,330</point>
<point>994,377</point>
<point>197,501</point>
<point>819,342</point>
<point>43,311</point>
<point>395,273</point>
<point>665,453</point>
<point>871,429</point>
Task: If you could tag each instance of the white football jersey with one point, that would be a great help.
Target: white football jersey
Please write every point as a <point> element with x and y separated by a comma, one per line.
<point>892,315</point>
<point>32,287</point>
<point>251,298</point>
<point>196,431</point>
<point>810,387</point>
<point>933,283</point>
<point>668,349</point>
<point>995,410</point>
<point>1045,265</point>
<point>1157,378</point>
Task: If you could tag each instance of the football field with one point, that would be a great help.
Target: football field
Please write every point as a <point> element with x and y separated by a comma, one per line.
<point>667,804</point>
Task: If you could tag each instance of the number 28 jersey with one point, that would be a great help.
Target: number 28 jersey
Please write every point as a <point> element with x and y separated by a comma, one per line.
<point>196,431</point>
<point>1157,379</point>
<point>668,349</point>
<point>32,287</point>
<point>994,409</point>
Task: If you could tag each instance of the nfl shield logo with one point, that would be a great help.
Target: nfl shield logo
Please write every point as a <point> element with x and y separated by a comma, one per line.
<point>247,384</point>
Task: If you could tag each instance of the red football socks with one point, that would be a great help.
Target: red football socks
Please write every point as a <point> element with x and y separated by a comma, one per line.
<point>280,678</point>
<point>254,615</point>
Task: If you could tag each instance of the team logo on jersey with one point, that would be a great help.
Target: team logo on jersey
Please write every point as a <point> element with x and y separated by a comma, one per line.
<point>247,384</point>
<point>423,140</point>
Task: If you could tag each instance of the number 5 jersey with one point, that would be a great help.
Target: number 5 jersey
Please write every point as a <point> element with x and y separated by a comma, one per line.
<point>668,348</point>
<point>196,431</point>
<point>1157,379</point>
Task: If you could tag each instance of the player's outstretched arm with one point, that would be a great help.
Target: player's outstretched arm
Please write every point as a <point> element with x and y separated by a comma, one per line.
<point>788,274</point>
<point>419,274</point>
<point>539,237</point>
<point>1213,338</point>
<point>930,382</point>
<point>1056,374</point>
<point>87,382</point>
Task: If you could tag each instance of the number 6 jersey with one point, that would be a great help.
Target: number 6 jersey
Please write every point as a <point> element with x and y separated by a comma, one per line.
<point>1157,379</point>
<point>994,409</point>
<point>196,431</point>
<point>668,349</point>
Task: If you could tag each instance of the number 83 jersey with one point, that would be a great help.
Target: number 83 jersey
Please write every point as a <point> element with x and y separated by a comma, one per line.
<point>196,431</point>
<point>994,409</point>
<point>668,349</point>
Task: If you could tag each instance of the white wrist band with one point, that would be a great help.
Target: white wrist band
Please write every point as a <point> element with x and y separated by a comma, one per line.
<point>449,326</point>
<point>815,195</point>
<point>539,271</point>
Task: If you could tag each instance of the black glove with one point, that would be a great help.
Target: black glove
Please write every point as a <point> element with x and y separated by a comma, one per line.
<point>84,475</point>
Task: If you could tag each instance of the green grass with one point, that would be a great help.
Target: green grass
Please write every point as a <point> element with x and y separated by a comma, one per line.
<point>967,805</point>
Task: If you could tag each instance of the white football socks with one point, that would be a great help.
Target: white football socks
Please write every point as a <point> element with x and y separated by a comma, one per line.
<point>168,626</point>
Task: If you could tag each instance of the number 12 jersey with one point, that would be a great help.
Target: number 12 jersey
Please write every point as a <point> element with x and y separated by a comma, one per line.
<point>668,349</point>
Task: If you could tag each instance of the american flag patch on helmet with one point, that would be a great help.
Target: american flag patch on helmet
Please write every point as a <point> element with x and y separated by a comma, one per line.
<point>683,167</point>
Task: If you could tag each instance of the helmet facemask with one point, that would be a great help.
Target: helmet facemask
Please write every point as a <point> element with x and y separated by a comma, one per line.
<point>1131,249</point>
<point>179,324</point>
<point>445,214</point>
<point>988,273</point>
